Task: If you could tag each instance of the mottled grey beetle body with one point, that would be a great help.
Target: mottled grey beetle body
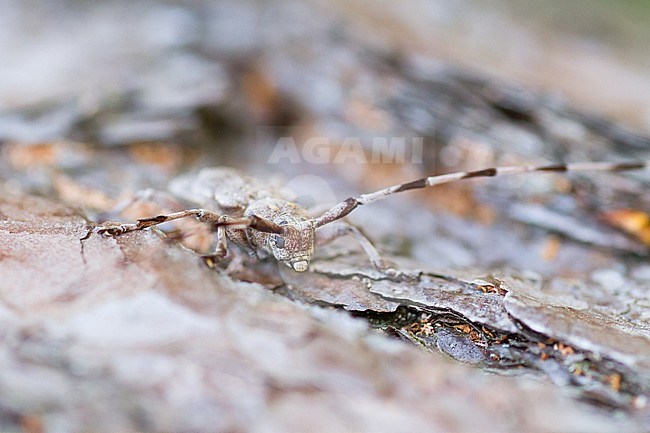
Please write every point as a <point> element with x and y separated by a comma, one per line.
<point>228,192</point>
<point>225,190</point>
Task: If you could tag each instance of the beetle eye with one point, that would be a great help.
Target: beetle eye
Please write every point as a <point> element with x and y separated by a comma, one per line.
<point>279,241</point>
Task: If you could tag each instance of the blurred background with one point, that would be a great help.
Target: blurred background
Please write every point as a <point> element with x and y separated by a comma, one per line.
<point>100,100</point>
<point>592,51</point>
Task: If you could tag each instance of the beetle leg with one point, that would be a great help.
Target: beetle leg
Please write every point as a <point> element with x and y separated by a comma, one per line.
<point>116,229</point>
<point>220,250</point>
<point>342,228</point>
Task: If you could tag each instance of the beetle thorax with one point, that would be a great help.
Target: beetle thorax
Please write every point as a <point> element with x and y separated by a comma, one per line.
<point>295,246</point>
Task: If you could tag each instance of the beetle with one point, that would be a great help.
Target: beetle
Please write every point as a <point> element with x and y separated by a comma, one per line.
<point>265,221</point>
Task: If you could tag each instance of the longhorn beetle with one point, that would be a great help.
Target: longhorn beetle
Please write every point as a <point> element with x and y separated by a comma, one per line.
<point>264,221</point>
